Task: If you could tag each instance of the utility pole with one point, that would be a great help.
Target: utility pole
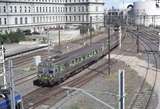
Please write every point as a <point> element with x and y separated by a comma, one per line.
<point>121,89</point>
<point>12,87</point>
<point>2,61</point>
<point>59,36</point>
<point>90,30</point>
<point>120,37</point>
<point>109,69</point>
<point>137,41</point>
<point>48,43</point>
<point>159,41</point>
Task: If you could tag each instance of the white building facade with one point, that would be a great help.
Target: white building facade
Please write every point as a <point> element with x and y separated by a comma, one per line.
<point>39,15</point>
<point>147,12</point>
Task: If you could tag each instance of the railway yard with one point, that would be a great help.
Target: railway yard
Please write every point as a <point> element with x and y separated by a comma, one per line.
<point>138,56</point>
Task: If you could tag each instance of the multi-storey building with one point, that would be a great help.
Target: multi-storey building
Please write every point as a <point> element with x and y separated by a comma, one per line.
<point>38,15</point>
<point>147,12</point>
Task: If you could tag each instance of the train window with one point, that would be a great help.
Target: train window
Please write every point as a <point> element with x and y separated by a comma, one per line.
<point>56,70</point>
<point>83,57</point>
<point>88,55</point>
<point>79,59</point>
<point>72,61</point>
<point>93,52</point>
<point>76,60</point>
<point>59,68</point>
<point>96,51</point>
<point>62,68</point>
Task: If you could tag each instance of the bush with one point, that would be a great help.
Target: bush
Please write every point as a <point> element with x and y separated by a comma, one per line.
<point>12,37</point>
<point>83,29</point>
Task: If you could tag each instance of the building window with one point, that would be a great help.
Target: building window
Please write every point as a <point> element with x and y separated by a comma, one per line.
<point>74,9</point>
<point>37,19</point>
<point>86,8</point>
<point>33,19</point>
<point>74,18</point>
<point>21,20</point>
<point>4,9</point>
<point>41,19</point>
<point>70,18</point>
<point>20,9</point>
<point>70,9</point>
<point>82,9</point>
<point>15,9</point>
<point>16,21</point>
<point>46,9</point>
<point>37,9</point>
<point>79,8</point>
<point>96,9</point>
<point>43,9</point>
<point>29,9</point>
<point>25,9</point>
<point>0,21</point>
<point>40,9</point>
<point>26,20</point>
<point>5,21</point>
<point>50,9</point>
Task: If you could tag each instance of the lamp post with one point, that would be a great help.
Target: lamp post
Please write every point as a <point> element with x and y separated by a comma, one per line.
<point>159,42</point>
<point>90,30</point>
<point>59,36</point>
<point>47,32</point>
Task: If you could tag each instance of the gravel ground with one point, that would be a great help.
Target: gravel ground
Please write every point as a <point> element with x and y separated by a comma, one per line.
<point>101,84</point>
<point>128,54</point>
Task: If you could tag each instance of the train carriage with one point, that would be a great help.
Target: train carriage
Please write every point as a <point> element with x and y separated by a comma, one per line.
<point>56,70</point>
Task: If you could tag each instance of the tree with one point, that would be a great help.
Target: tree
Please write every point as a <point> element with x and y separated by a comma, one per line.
<point>12,37</point>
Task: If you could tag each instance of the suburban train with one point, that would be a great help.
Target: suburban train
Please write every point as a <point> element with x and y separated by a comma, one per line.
<point>5,101</point>
<point>57,69</point>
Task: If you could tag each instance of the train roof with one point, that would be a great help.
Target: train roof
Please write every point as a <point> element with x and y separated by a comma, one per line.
<point>75,53</point>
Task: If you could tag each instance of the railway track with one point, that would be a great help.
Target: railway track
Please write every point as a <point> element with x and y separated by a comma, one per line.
<point>143,96</point>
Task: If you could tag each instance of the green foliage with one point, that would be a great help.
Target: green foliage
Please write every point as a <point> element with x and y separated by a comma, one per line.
<point>83,29</point>
<point>12,37</point>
